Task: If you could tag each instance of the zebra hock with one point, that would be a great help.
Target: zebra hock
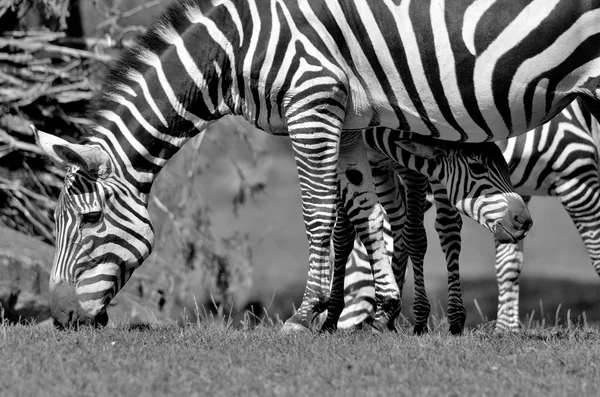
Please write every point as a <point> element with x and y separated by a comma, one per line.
<point>457,71</point>
<point>478,185</point>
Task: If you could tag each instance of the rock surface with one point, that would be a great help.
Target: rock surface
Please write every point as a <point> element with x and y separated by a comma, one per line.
<point>25,264</point>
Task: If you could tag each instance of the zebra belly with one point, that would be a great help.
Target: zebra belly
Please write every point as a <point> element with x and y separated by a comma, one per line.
<point>439,127</point>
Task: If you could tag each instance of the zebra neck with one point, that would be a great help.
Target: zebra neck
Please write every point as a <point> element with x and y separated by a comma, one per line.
<point>139,150</point>
<point>179,78</point>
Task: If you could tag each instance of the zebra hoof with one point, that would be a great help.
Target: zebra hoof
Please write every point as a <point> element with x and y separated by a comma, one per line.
<point>456,330</point>
<point>320,307</point>
<point>375,330</point>
<point>421,330</point>
<point>379,327</point>
<point>328,328</point>
<point>293,328</point>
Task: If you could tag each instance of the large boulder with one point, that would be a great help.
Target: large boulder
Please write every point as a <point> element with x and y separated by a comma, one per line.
<point>25,264</point>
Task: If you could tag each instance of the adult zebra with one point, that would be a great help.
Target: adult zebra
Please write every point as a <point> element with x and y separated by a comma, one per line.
<point>558,159</point>
<point>467,70</point>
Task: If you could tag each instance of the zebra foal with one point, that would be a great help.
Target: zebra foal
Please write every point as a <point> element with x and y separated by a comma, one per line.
<point>478,184</point>
<point>557,159</point>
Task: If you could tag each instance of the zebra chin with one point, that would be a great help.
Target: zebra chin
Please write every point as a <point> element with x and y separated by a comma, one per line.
<point>513,230</point>
<point>68,312</point>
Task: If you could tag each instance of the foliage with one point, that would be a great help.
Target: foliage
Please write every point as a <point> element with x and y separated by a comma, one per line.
<point>211,269</point>
<point>47,78</point>
<point>216,360</point>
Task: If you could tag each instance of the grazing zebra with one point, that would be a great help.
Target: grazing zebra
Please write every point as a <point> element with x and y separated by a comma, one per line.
<point>558,159</point>
<point>464,70</point>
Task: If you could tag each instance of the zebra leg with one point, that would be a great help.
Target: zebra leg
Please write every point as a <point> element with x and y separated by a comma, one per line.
<point>448,225</point>
<point>415,238</point>
<point>343,242</point>
<point>391,193</point>
<point>509,262</point>
<point>364,211</point>
<point>585,214</point>
<point>314,119</point>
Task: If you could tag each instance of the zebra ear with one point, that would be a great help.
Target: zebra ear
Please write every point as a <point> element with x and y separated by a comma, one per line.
<point>90,159</point>
<point>420,149</point>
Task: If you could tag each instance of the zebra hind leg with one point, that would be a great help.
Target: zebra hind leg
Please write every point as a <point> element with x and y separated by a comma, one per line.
<point>343,243</point>
<point>391,193</point>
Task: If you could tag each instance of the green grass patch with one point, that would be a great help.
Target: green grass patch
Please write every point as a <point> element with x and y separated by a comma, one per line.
<point>212,360</point>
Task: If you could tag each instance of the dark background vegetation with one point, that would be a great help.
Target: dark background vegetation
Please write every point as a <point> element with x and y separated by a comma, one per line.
<point>230,225</point>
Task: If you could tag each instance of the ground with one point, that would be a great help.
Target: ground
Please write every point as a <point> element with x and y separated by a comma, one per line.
<point>212,360</point>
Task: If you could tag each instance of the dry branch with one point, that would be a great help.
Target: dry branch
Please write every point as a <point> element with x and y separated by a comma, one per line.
<point>46,82</point>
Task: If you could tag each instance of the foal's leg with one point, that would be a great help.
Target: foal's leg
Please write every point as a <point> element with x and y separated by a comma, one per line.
<point>448,224</point>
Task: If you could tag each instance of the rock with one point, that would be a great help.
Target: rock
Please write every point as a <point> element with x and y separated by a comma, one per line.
<point>25,264</point>
<point>126,308</point>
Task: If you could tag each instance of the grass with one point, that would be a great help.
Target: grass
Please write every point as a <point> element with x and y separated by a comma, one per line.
<point>212,360</point>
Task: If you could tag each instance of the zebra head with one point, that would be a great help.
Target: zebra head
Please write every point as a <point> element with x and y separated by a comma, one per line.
<point>103,233</point>
<point>478,184</point>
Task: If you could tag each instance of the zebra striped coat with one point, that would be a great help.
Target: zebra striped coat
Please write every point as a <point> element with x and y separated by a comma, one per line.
<point>465,70</point>
<point>557,159</point>
<point>476,181</point>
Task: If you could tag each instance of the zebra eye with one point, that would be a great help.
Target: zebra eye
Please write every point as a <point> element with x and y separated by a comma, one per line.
<point>91,218</point>
<point>478,168</point>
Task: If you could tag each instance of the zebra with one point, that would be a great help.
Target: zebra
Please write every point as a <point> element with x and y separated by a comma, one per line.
<point>558,159</point>
<point>309,70</point>
<point>478,184</point>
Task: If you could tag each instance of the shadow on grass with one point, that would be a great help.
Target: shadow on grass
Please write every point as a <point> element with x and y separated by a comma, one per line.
<point>544,302</point>
<point>549,301</point>
<point>556,306</point>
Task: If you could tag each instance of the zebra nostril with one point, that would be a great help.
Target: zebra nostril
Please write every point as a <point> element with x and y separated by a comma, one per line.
<point>58,324</point>
<point>101,319</point>
<point>522,223</point>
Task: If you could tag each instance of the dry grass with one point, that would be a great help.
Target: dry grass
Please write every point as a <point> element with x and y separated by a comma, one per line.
<point>218,360</point>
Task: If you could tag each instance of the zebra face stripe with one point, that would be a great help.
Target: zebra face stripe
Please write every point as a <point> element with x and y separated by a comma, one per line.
<point>101,240</point>
<point>478,184</point>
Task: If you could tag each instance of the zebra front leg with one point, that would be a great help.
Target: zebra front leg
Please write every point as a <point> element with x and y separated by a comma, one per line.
<point>343,242</point>
<point>314,125</point>
<point>448,225</point>
<point>509,262</point>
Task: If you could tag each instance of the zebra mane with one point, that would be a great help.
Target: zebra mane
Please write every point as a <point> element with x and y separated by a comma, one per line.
<point>118,75</point>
